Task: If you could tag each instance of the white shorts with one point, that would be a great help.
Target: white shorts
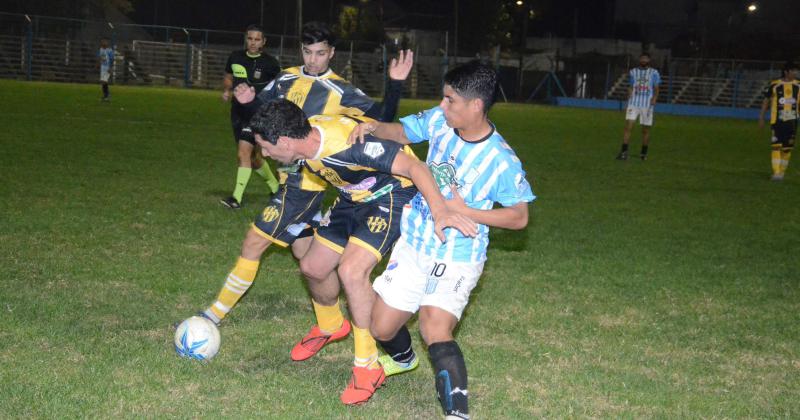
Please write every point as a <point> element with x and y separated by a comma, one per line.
<point>645,115</point>
<point>104,76</point>
<point>413,279</point>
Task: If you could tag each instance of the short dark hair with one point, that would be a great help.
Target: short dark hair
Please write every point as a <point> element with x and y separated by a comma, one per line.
<point>254,27</point>
<point>645,54</point>
<point>280,117</point>
<point>314,32</point>
<point>787,67</point>
<point>474,80</point>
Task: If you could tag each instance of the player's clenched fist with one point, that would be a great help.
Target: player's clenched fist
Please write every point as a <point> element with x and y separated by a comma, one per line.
<point>244,94</point>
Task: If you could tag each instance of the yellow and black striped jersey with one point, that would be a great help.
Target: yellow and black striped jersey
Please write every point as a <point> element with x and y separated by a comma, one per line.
<point>361,172</point>
<point>784,97</point>
<point>327,93</point>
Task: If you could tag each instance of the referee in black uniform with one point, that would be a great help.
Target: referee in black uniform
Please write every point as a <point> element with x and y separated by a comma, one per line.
<point>257,69</point>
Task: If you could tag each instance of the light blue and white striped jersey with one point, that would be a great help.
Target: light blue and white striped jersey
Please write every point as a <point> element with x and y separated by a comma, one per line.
<point>643,82</point>
<point>486,172</point>
<point>106,56</point>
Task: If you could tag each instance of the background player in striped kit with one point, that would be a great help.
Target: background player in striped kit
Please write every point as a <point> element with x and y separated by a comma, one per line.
<point>781,97</point>
<point>468,159</point>
<point>105,57</point>
<point>642,97</point>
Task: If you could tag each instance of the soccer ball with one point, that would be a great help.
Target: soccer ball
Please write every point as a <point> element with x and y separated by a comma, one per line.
<point>197,338</point>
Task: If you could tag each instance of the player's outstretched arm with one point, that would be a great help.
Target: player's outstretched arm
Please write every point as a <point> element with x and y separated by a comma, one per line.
<point>443,217</point>
<point>514,217</point>
<point>381,130</point>
<point>399,69</point>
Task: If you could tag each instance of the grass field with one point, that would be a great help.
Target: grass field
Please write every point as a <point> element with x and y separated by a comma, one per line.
<point>666,289</point>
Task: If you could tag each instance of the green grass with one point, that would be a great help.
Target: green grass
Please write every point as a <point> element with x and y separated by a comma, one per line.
<point>667,288</point>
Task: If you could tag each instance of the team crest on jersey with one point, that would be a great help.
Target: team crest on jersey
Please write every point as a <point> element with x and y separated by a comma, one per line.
<point>331,176</point>
<point>443,173</point>
<point>270,213</point>
<point>373,149</point>
<point>376,224</point>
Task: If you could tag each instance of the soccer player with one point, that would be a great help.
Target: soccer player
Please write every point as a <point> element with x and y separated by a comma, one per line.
<point>642,97</point>
<point>295,208</point>
<point>782,97</point>
<point>105,58</point>
<point>474,168</point>
<point>253,68</point>
<point>374,181</point>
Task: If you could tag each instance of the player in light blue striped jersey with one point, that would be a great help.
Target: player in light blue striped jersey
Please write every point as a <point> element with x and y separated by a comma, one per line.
<point>642,97</point>
<point>474,168</point>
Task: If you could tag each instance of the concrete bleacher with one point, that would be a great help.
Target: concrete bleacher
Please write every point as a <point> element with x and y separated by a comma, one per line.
<point>745,90</point>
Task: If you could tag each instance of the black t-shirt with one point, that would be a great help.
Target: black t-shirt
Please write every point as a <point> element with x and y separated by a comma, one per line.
<point>255,71</point>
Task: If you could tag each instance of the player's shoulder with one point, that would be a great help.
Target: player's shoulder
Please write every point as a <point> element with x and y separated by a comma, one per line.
<point>504,150</point>
<point>290,73</point>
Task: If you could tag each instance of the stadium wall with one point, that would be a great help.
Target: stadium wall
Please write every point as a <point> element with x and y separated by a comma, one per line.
<point>670,109</point>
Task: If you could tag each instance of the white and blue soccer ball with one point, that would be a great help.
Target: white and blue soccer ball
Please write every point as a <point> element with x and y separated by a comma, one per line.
<point>197,338</point>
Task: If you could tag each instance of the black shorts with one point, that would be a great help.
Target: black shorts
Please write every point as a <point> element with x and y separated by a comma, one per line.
<point>374,226</point>
<point>292,213</point>
<point>241,131</point>
<point>783,133</point>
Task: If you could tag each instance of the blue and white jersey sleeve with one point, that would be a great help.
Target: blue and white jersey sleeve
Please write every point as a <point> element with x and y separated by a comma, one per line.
<point>512,188</point>
<point>421,126</point>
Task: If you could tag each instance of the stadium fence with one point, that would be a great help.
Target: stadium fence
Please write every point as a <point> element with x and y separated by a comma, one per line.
<point>61,49</point>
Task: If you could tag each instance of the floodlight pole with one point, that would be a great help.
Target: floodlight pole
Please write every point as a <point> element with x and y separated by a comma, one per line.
<point>29,48</point>
<point>299,19</point>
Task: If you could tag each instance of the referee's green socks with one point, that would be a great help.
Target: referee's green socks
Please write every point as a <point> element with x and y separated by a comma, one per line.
<point>267,174</point>
<point>242,178</point>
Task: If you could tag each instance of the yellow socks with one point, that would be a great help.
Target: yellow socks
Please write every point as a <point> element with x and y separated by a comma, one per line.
<point>237,283</point>
<point>776,160</point>
<point>786,154</point>
<point>366,349</point>
<point>329,318</point>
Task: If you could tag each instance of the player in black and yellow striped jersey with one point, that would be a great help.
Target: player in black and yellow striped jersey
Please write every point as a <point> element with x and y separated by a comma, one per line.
<point>295,208</point>
<point>781,97</point>
<point>255,68</point>
<point>374,182</point>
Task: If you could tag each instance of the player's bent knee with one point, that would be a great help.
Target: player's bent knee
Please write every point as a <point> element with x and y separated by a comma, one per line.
<point>381,332</point>
<point>311,270</point>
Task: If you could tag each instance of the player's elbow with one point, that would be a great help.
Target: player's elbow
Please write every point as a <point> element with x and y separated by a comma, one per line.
<point>520,219</point>
<point>520,222</point>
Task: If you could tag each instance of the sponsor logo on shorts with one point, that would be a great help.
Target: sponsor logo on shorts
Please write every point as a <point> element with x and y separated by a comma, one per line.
<point>376,224</point>
<point>270,213</point>
<point>458,284</point>
<point>383,209</point>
